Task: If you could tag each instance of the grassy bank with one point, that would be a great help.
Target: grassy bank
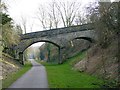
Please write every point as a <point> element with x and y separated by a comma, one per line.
<point>63,76</point>
<point>14,76</point>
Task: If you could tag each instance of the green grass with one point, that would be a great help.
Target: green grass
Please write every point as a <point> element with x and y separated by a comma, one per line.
<point>14,76</point>
<point>63,76</point>
<point>75,59</point>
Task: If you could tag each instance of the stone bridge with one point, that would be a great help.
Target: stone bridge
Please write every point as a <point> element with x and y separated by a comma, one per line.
<point>59,37</point>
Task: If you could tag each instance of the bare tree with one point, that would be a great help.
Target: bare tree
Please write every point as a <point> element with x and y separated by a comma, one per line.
<point>31,26</point>
<point>58,13</point>
<point>54,15</point>
<point>48,16</point>
<point>24,23</point>
<point>68,11</point>
<point>42,16</point>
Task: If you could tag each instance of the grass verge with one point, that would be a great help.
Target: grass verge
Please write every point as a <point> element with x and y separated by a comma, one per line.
<point>14,76</point>
<point>63,76</point>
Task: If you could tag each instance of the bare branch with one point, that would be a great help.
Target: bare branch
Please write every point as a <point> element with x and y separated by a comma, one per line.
<point>24,23</point>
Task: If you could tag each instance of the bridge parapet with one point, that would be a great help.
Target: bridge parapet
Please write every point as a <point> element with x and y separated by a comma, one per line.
<point>58,31</point>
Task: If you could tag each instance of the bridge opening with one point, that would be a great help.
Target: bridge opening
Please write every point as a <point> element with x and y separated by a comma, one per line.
<point>76,46</point>
<point>83,42</point>
<point>84,38</point>
<point>43,51</point>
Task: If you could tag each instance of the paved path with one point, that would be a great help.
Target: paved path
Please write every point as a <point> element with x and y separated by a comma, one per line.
<point>34,78</point>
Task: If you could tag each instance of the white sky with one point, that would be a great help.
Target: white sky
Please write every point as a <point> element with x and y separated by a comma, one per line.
<point>28,10</point>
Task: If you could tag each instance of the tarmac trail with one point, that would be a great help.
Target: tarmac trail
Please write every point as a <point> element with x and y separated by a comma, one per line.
<point>35,78</point>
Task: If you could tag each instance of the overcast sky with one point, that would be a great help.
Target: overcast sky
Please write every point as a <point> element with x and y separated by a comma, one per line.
<point>28,9</point>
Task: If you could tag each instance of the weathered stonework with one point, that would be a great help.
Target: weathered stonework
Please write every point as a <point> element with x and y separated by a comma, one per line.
<point>60,37</point>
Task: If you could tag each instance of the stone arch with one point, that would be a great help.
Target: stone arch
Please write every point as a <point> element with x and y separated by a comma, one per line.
<point>85,38</point>
<point>20,52</point>
<point>40,41</point>
<point>28,42</point>
<point>59,37</point>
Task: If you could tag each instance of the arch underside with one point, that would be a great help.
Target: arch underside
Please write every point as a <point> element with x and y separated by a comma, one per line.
<point>85,38</point>
<point>26,43</point>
